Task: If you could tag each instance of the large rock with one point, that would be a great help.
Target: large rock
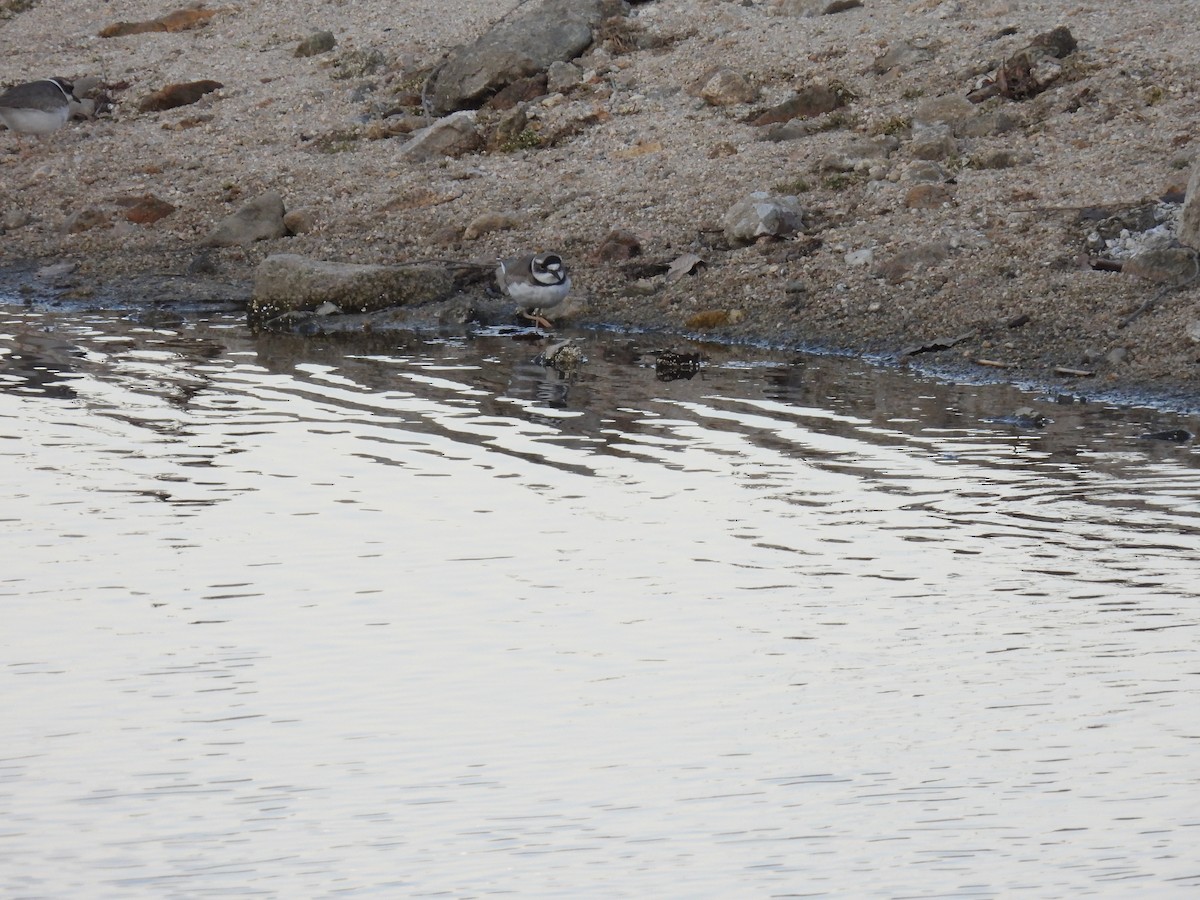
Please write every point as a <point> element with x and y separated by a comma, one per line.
<point>762,215</point>
<point>453,135</point>
<point>1189,217</point>
<point>553,31</point>
<point>1171,266</point>
<point>259,220</point>
<point>288,282</point>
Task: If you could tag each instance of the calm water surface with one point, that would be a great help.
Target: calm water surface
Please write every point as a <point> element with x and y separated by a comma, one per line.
<point>414,616</point>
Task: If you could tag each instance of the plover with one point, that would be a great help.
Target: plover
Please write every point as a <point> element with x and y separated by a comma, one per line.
<point>536,282</point>
<point>37,107</point>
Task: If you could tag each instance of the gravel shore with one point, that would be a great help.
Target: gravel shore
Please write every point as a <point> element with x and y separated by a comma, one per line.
<point>969,231</point>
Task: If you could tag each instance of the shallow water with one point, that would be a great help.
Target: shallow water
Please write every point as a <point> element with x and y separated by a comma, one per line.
<point>414,616</point>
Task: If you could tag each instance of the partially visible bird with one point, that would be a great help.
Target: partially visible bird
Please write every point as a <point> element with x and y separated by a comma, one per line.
<point>536,282</point>
<point>37,107</point>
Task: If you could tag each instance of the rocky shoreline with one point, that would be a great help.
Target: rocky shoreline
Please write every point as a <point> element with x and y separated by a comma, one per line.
<point>979,189</point>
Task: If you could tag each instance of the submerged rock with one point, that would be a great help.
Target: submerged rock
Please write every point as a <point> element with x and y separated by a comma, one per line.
<point>288,283</point>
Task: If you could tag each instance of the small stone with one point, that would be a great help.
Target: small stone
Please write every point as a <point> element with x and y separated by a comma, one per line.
<point>148,210</point>
<point>561,77</point>
<point>176,95</point>
<point>925,170</point>
<point>728,88</point>
<point>912,260</point>
<point>998,158</point>
<point>618,245</point>
<point>260,219</point>
<point>812,101</point>
<point>299,221</point>
<point>928,196</point>
<point>951,110</point>
<point>933,142</point>
<point>523,90</point>
<point>489,222</point>
<point>85,220</point>
<point>56,271</point>
<point>315,44</point>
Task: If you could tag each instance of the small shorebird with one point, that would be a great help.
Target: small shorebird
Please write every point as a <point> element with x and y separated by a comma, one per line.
<point>536,282</point>
<point>37,107</point>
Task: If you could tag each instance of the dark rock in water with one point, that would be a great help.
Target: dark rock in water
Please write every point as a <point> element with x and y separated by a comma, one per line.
<point>516,48</point>
<point>672,366</point>
<point>1024,418</point>
<point>1174,436</point>
<point>944,343</point>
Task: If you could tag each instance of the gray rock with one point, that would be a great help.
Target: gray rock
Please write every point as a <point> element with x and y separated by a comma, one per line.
<point>86,219</point>
<point>517,47</point>
<point>925,170</point>
<point>315,44</point>
<point>999,158</point>
<point>562,76</point>
<point>288,282</point>
<point>901,55</point>
<point>1173,266</point>
<point>300,221</point>
<point>728,88</point>
<point>950,110</point>
<point>858,153</point>
<point>1189,216</point>
<point>453,135</point>
<point>259,220</point>
<point>14,218</point>
<point>933,142</point>
<point>762,215</point>
<point>813,8</point>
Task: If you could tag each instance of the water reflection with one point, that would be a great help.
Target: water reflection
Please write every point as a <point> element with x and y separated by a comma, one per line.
<point>411,615</point>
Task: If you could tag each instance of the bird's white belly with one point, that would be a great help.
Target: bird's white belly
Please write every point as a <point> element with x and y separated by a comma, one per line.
<point>34,121</point>
<point>539,296</point>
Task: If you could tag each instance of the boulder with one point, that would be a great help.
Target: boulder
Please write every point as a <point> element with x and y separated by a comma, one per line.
<point>1170,266</point>
<point>1189,216</point>
<point>762,215</point>
<point>288,282</point>
<point>259,220</point>
<point>516,48</point>
<point>453,135</point>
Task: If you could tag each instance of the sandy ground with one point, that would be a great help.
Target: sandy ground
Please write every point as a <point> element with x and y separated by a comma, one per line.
<point>635,149</point>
